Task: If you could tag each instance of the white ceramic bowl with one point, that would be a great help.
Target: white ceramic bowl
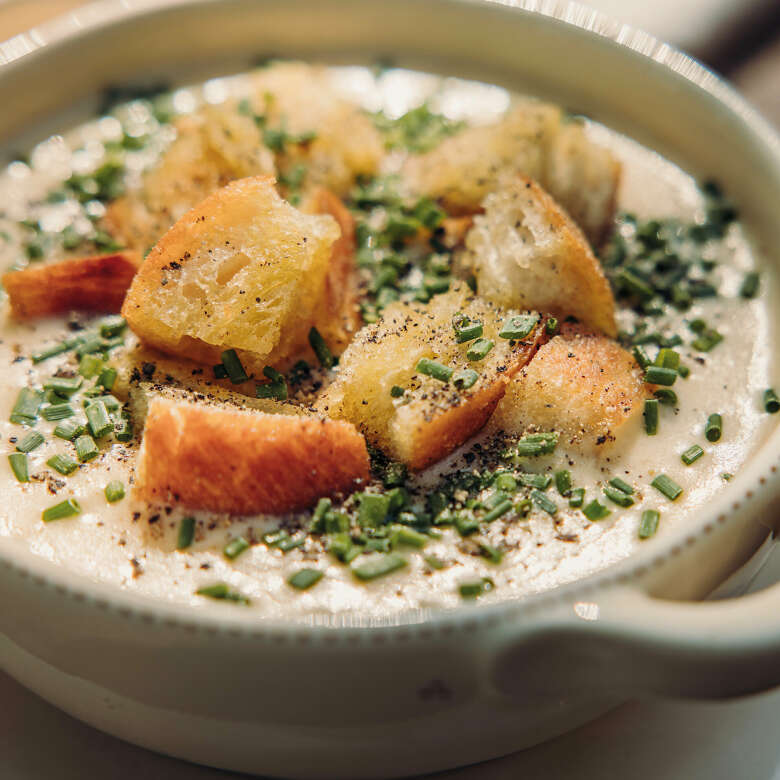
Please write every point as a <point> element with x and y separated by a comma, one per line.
<point>373,698</point>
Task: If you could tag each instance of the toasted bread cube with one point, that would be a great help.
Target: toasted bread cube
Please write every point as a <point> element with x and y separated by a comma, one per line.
<point>527,253</point>
<point>432,417</point>
<point>582,385</point>
<point>244,270</point>
<point>85,283</point>
<point>244,462</point>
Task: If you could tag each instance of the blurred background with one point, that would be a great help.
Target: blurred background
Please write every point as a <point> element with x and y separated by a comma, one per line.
<point>738,38</point>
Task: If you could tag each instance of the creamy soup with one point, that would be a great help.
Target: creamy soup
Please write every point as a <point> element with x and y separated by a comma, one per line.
<point>543,542</point>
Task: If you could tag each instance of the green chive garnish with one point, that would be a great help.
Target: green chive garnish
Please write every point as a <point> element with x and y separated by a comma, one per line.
<point>692,454</point>
<point>434,369</point>
<point>276,388</point>
<point>577,497</point>
<point>56,349</point>
<point>59,511</point>
<point>107,378</point>
<point>713,428</point>
<point>493,554</point>
<point>518,326</point>
<point>86,449</point>
<point>30,442</point>
<point>25,410</point>
<point>63,386</point>
<point>69,429</point>
<point>707,340</point>
<point>537,444</point>
<point>186,533</point>
<point>649,523</point>
<point>97,417</point>
<point>18,463</point>
<point>303,579</point>
<point>666,396</point>
<point>321,349</point>
<point>551,326</point>
<point>641,356</point>
<point>497,511</point>
<point>378,565</point>
<point>222,592</point>
<point>233,367</point>
<point>667,486</point>
<point>771,401</point>
<point>563,481</point>
<point>540,481</point>
<point>123,430</point>
<point>541,500</point>
<point>617,496</point>
<point>235,547</point>
<point>402,534</point>
<point>651,416</point>
<point>57,412</point>
<point>475,588</point>
<point>112,326</point>
<point>465,328</point>
<point>595,511</point>
<point>434,562</point>
<point>464,378</point>
<point>479,349</point>
<point>622,486</point>
<point>750,285</point>
<point>90,365</point>
<point>114,491</point>
<point>373,509</point>
<point>62,464</point>
<point>658,375</point>
<point>505,482</point>
<point>396,391</point>
<point>668,358</point>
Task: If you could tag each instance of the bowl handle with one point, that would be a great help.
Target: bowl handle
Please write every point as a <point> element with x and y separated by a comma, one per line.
<point>631,644</point>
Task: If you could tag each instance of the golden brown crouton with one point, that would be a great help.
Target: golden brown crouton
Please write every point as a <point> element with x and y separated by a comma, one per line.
<point>244,270</point>
<point>431,417</point>
<point>85,283</point>
<point>583,385</point>
<point>527,253</point>
<point>244,462</point>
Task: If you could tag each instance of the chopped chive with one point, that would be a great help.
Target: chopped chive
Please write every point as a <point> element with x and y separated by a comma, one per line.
<point>651,416</point>
<point>276,388</point>
<point>577,497</point>
<point>668,358</point>
<point>321,349</point>
<point>622,486</point>
<point>434,369</point>
<point>373,509</point>
<point>537,444</point>
<point>541,500</point>
<point>303,579</point>
<point>396,391</point>
<point>112,326</point>
<point>434,562</point>
<point>18,463</point>
<point>479,349</point>
<point>617,496</point>
<point>123,430</point>
<point>713,428</point>
<point>97,417</point>
<point>698,325</point>
<point>111,402</point>
<point>771,401</point>
<point>465,378</point>
<point>750,285</point>
<point>222,592</point>
<point>402,534</point>
<point>497,511</point>
<point>641,356</point>
<point>505,481</point>
<point>30,442</point>
<point>69,429</point>
<point>86,449</point>
<point>235,547</point>
<point>25,410</point>
<point>707,340</point>
<point>59,511</point>
<point>114,491</point>
<point>658,375</point>
<point>551,326</point>
<point>62,464</point>
<point>49,352</point>
<point>540,481</point>
<point>89,345</point>
<point>684,371</point>
<point>55,412</point>
<point>64,386</point>
<point>595,511</point>
<point>667,486</point>
<point>107,378</point>
<point>235,370</point>
<point>465,328</point>
<point>632,284</point>
<point>465,522</point>
<point>220,372</point>
<point>378,565</point>
<point>340,545</point>
<point>518,326</point>
<point>186,533</point>
<point>475,588</point>
<point>692,454</point>
<point>649,523</point>
<point>90,365</point>
<point>666,396</point>
<point>493,554</point>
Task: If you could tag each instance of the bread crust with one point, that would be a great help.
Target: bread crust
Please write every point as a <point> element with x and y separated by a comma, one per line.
<point>243,462</point>
<point>96,284</point>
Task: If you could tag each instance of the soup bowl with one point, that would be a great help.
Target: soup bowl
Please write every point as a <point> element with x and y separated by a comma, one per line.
<point>379,697</point>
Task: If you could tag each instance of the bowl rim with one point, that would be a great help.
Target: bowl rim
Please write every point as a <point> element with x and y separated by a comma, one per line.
<point>757,476</point>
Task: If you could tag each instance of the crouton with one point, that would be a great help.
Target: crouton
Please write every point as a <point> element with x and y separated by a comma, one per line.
<point>534,140</point>
<point>580,384</point>
<point>527,253</point>
<point>95,284</point>
<point>244,462</point>
<point>428,418</point>
<point>243,270</point>
<point>212,147</point>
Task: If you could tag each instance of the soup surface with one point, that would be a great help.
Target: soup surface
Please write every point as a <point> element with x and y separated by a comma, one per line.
<point>713,317</point>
